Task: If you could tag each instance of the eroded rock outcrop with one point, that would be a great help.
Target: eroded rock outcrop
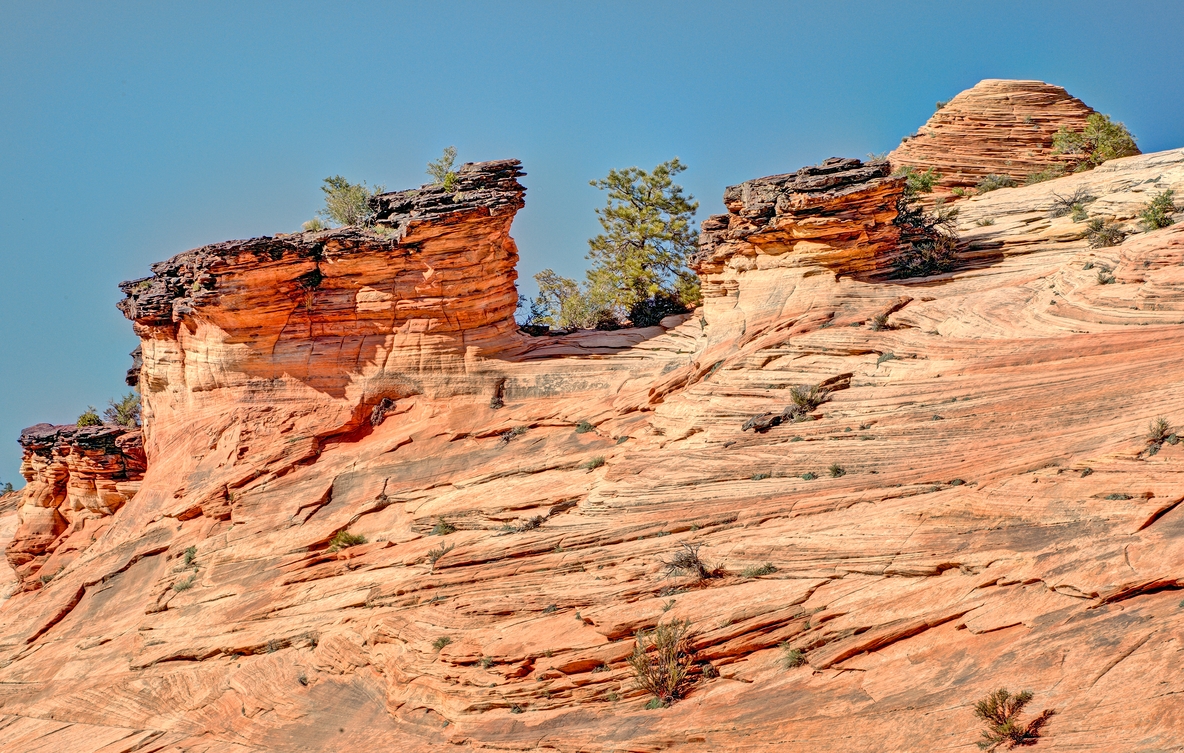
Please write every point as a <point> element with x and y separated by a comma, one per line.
<point>997,127</point>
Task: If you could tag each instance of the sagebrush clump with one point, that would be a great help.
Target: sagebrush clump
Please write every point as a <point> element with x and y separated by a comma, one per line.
<point>688,562</point>
<point>661,662</point>
<point>1158,212</point>
<point>994,182</point>
<point>348,203</point>
<point>1103,233</point>
<point>1102,139</point>
<point>344,540</point>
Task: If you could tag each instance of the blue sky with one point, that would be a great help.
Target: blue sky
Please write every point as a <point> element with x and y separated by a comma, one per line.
<point>132,131</point>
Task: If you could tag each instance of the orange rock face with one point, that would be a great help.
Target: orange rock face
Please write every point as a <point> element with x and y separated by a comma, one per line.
<point>997,127</point>
<point>975,504</point>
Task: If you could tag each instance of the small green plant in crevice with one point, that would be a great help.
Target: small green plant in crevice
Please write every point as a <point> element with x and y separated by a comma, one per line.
<point>442,528</point>
<point>761,476</point>
<point>1158,212</point>
<point>1103,233</point>
<point>348,203</point>
<point>1159,432</point>
<point>190,556</point>
<point>994,182</point>
<point>434,555</point>
<point>1117,496</point>
<point>791,657</point>
<point>1105,276</point>
<point>687,562</point>
<point>592,463</point>
<point>344,540</point>
<point>757,571</point>
<point>184,585</point>
<point>601,668</point>
<point>809,476</point>
<point>836,470</point>
<point>486,662</point>
<point>1056,170</point>
<point>527,525</point>
<point>668,605</point>
<point>1077,213</point>
<point>1000,711</point>
<point>550,609</point>
<point>1099,141</point>
<point>441,642</point>
<point>510,434</point>
<point>919,181</point>
<point>880,322</point>
<point>885,357</point>
<point>583,427</point>
<point>515,709</point>
<point>661,662</point>
<point>807,398</point>
<point>985,222</point>
<point>1063,205</point>
<point>441,170</point>
<point>90,417</point>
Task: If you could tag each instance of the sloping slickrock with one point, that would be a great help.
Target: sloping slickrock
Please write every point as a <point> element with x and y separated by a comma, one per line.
<point>997,127</point>
<point>995,517</point>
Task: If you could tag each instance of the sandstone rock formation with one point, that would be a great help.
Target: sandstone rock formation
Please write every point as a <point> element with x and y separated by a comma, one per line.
<point>997,127</point>
<point>975,505</point>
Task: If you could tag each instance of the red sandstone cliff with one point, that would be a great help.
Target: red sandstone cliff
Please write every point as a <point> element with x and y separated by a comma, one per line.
<point>997,517</point>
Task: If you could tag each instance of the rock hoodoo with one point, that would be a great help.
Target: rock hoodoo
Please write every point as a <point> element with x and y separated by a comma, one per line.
<point>997,127</point>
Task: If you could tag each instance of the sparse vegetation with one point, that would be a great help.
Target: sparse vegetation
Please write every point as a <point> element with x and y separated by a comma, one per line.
<point>1100,140</point>
<point>1117,496</point>
<point>880,322</point>
<point>1063,205</point>
<point>123,412</point>
<point>90,417</point>
<point>1000,712</point>
<point>1104,233</point>
<point>348,203</point>
<point>1105,277</point>
<point>583,427</point>
<point>434,555</point>
<point>809,476</point>
<point>661,662</point>
<point>441,642</point>
<point>885,357</point>
<point>688,562</point>
<point>919,182</point>
<point>941,103</point>
<point>1159,432</point>
<point>592,463</point>
<point>442,528</point>
<point>486,662</point>
<point>836,470</point>
<point>441,170</point>
<point>994,182</point>
<point>807,398</point>
<point>792,657</point>
<point>985,222</point>
<point>315,225</point>
<point>1077,213</point>
<point>6,488</point>
<point>185,585</point>
<point>344,540</point>
<point>757,571</point>
<point>1158,212</point>
<point>928,240</point>
<point>761,476</point>
<point>190,556</point>
<point>1056,170</point>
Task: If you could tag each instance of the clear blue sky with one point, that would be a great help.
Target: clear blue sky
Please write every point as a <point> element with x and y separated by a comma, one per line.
<point>132,131</point>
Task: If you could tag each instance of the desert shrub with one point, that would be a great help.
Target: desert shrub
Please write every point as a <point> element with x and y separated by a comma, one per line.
<point>348,203</point>
<point>124,412</point>
<point>314,225</point>
<point>661,662</point>
<point>1116,496</point>
<point>1077,213</point>
<point>1159,431</point>
<point>807,398</point>
<point>6,488</point>
<point>442,528</point>
<point>756,572</point>
<point>928,240</point>
<point>1052,171</point>
<point>687,562</point>
<point>344,540</point>
<point>434,555</point>
<point>1063,205</point>
<point>885,357</point>
<point>809,476</point>
<point>441,642</point>
<point>1000,712</point>
<point>994,182</point>
<point>583,427</point>
<point>90,417</point>
<point>184,585</point>
<point>880,322</point>
<point>1100,140</point>
<point>985,222</point>
<point>1158,212</point>
<point>592,463</point>
<point>940,104</point>
<point>919,182</point>
<point>1105,276</point>
<point>1103,234</point>
<point>792,657</point>
<point>761,476</point>
<point>441,170</point>
<point>190,556</point>
<point>836,470</point>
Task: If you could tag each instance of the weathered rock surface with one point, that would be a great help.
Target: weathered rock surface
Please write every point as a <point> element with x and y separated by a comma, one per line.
<point>995,517</point>
<point>997,127</point>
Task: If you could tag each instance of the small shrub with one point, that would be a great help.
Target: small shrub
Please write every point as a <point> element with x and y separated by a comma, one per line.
<point>348,203</point>
<point>668,605</point>
<point>761,476</point>
<point>441,642</point>
<point>344,540</point>
<point>434,555</point>
<point>190,555</point>
<point>994,182</point>
<point>46,577</point>
<point>515,709</point>
<point>550,609</point>
<point>885,357</point>
<point>1117,496</point>
<point>688,562</point>
<point>806,398</point>
<point>880,322</point>
<point>583,427</point>
<point>985,222</point>
<point>90,417</point>
<point>441,170</point>
<point>1104,234</point>
<point>442,528</point>
<point>756,572</point>
<point>124,412</point>
<point>940,104</point>
<point>836,470</point>
<point>1158,212</point>
<point>1105,277</point>
<point>593,463</point>
<point>959,191</point>
<point>1100,140</point>
<point>919,182</point>
<point>1077,213</point>
<point>1159,431</point>
<point>1000,711</point>
<point>1063,205</point>
<point>792,657</point>
<point>184,585</point>
<point>601,668</point>
<point>6,488</point>
<point>661,662</point>
<point>486,662</point>
<point>809,476</point>
<point>1052,171</point>
<point>314,225</point>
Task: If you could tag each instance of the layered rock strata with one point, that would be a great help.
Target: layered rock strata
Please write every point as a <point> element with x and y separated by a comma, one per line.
<point>997,127</point>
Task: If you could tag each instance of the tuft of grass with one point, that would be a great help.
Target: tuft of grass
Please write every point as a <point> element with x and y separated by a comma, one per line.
<point>836,470</point>
<point>1117,496</point>
<point>761,476</point>
<point>1104,234</point>
<point>985,222</point>
<point>190,556</point>
<point>1158,212</point>
<point>688,562</point>
<point>993,182</point>
<point>442,528</point>
<point>1000,712</point>
<point>756,572</point>
<point>184,585</point>
<point>583,427</point>
<point>1063,205</point>
<point>344,540</point>
<point>314,225</point>
<point>809,476</point>
<point>668,605</point>
<point>441,642</point>
<point>1105,277</point>
<point>661,662</point>
<point>885,357</point>
<point>792,657</point>
<point>486,662</point>
<point>880,322</point>
<point>1077,213</point>
<point>434,555</point>
<point>593,463</point>
<point>1055,170</point>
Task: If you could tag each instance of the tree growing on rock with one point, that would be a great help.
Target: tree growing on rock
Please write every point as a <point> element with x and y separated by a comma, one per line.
<point>441,170</point>
<point>639,261</point>
<point>1102,139</point>
<point>124,412</point>
<point>348,203</point>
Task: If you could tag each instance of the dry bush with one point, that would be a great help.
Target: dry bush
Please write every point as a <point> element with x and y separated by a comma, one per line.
<point>661,662</point>
<point>687,562</point>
